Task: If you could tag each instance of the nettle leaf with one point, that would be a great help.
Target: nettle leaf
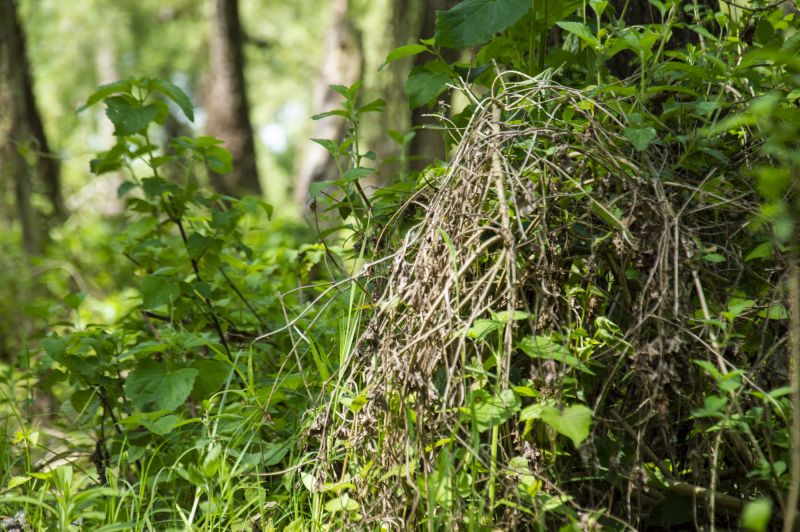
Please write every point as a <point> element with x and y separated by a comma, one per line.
<point>129,117</point>
<point>158,290</point>
<point>491,410</point>
<point>151,387</point>
<point>474,22</point>
<point>425,83</point>
<point>176,94</point>
<point>640,137</point>
<point>211,375</point>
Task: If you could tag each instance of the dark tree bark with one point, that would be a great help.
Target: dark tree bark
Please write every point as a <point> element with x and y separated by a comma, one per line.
<point>226,102</point>
<point>21,131</point>
<point>342,64</point>
<point>428,144</point>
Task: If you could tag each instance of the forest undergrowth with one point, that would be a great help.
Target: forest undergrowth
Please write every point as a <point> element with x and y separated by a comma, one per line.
<point>585,318</point>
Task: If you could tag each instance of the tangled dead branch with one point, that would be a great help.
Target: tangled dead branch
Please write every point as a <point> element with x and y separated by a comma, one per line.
<point>548,224</point>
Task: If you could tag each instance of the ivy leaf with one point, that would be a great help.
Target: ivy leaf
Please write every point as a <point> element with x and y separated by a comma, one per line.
<point>640,137</point>
<point>151,387</point>
<point>425,83</point>
<point>129,118</point>
<point>474,22</point>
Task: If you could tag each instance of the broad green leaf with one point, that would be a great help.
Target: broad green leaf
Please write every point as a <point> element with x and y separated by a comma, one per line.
<point>218,159</point>
<point>404,51</point>
<point>474,22</point>
<point>334,112</point>
<point>13,482</point>
<point>423,85</point>
<point>158,290</point>
<point>761,251</point>
<point>342,504</point>
<point>129,118</point>
<point>544,347</point>
<point>105,91</point>
<point>163,425</point>
<point>151,387</point>
<point>775,312</point>
<point>211,375</point>
<point>573,422</point>
<point>581,31</point>
<point>714,258</point>
<point>329,145</point>
<point>316,187</point>
<point>640,137</point>
<point>176,94</point>
<point>491,410</point>
<point>480,328</point>
<point>357,173</point>
<point>756,515</point>
<point>374,106</point>
<point>712,405</point>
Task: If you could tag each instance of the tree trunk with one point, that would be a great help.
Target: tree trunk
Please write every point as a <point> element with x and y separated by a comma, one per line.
<point>342,63</point>
<point>21,130</point>
<point>428,144</point>
<point>226,103</point>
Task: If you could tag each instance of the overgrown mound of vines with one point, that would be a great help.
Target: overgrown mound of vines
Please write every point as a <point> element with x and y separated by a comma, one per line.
<point>576,330</point>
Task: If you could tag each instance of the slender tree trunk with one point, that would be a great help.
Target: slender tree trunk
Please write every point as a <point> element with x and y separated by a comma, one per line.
<point>21,129</point>
<point>342,63</point>
<point>428,144</point>
<point>226,102</point>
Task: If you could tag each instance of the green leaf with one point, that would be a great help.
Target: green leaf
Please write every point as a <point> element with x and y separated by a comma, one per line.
<point>342,504</point>
<point>713,257</point>
<point>151,387</point>
<point>315,188</point>
<point>423,85</point>
<point>176,94</point>
<point>480,328</point>
<point>640,137</point>
<point>756,515</point>
<point>329,145</point>
<point>105,91</point>
<point>211,375</point>
<point>129,118</point>
<point>491,410</point>
<point>581,31</point>
<point>374,106</point>
<point>161,426</point>
<point>13,482</point>
<point>761,251</point>
<point>404,51</point>
<point>574,422</point>
<point>158,290</point>
<point>474,22</point>
<point>357,173</point>
<point>544,347</point>
<point>218,159</point>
